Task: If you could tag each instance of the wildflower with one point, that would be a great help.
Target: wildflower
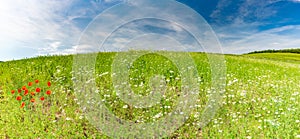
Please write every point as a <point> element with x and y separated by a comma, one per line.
<point>26,92</point>
<point>23,105</point>
<point>42,98</point>
<point>24,88</point>
<point>38,90</point>
<point>157,115</point>
<point>19,90</point>
<point>49,84</point>
<point>19,98</point>
<point>12,91</point>
<point>32,93</point>
<point>32,100</point>
<point>48,92</point>
<point>30,84</point>
<point>36,81</point>
<point>80,117</point>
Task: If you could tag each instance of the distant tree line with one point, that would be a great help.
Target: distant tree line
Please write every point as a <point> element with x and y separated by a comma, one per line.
<point>278,51</point>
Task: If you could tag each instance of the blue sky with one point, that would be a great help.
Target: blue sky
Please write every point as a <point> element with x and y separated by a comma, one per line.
<point>32,28</point>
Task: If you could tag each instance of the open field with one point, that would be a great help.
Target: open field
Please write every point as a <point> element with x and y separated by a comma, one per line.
<point>262,98</point>
<point>284,57</point>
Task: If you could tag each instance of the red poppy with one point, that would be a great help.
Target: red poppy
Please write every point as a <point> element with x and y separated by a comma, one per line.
<point>19,98</point>
<point>12,91</point>
<point>26,92</point>
<point>48,92</point>
<point>23,105</point>
<point>36,81</point>
<point>30,84</point>
<point>42,98</point>
<point>38,90</point>
<point>49,84</point>
<point>32,100</point>
<point>24,88</point>
<point>32,93</point>
<point>19,90</point>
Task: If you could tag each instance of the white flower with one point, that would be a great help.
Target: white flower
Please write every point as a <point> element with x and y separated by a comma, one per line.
<point>292,99</point>
<point>243,93</point>
<point>196,116</point>
<point>295,94</point>
<point>157,115</point>
<point>259,127</point>
<point>68,119</point>
<point>298,136</point>
<point>125,106</point>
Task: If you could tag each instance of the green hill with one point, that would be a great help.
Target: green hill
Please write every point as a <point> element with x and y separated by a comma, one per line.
<point>285,57</point>
<point>261,98</point>
<point>297,50</point>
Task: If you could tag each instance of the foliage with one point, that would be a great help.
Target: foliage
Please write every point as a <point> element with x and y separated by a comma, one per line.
<point>277,51</point>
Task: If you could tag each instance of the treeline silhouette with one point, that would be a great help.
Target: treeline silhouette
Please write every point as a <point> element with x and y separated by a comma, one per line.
<point>278,51</point>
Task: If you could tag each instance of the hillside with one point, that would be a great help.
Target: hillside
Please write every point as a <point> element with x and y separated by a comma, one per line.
<point>278,51</point>
<point>284,57</point>
<point>261,99</point>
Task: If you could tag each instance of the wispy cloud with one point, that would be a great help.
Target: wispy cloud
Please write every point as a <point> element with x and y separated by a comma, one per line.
<point>44,27</point>
<point>143,20</point>
<point>277,38</point>
<point>149,34</point>
<point>247,11</point>
<point>240,29</point>
<point>37,25</point>
<point>297,1</point>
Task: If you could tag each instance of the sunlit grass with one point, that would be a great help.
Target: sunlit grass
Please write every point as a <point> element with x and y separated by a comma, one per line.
<point>285,57</point>
<point>261,99</point>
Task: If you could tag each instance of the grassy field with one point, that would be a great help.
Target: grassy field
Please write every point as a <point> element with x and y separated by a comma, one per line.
<point>284,57</point>
<point>261,100</point>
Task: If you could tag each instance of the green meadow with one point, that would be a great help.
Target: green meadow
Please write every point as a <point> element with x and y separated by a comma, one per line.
<point>261,100</point>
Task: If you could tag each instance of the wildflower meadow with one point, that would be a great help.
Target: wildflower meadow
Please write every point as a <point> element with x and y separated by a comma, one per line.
<point>261,98</point>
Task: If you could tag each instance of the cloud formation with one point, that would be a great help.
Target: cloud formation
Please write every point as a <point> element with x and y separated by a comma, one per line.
<point>250,26</point>
<point>277,38</point>
<point>31,28</point>
<point>44,27</point>
<point>36,25</point>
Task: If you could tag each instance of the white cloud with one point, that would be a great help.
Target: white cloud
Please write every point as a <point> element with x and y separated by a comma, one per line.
<point>297,1</point>
<point>239,30</point>
<point>44,26</point>
<point>277,38</point>
<point>246,11</point>
<point>47,27</point>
